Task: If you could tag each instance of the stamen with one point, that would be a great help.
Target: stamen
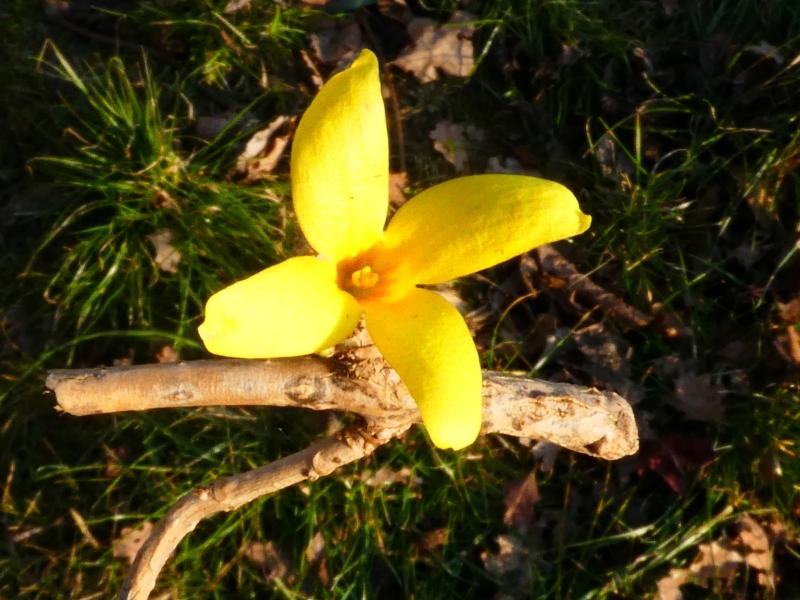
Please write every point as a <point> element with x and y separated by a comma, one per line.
<point>364,278</point>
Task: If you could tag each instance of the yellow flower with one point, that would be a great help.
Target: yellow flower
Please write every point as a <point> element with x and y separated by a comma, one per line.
<point>340,183</point>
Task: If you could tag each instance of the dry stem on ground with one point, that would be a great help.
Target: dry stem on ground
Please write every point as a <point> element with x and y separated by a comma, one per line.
<point>357,380</point>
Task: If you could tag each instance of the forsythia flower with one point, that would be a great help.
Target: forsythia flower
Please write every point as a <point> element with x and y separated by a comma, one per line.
<point>340,188</point>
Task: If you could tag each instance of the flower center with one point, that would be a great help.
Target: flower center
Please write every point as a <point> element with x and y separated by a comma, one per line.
<point>364,278</point>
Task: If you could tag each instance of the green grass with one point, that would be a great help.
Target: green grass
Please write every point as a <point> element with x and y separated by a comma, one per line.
<point>680,138</point>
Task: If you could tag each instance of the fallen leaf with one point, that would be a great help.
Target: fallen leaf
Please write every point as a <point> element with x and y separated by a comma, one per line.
<point>338,44</point>
<point>235,6</point>
<point>315,557</point>
<point>437,47</point>
<point>793,343</point>
<point>168,354</point>
<point>508,564</point>
<point>316,77</point>
<point>397,184</point>
<point>546,453</point>
<point>434,539</point>
<point>790,311</point>
<point>167,257</point>
<point>387,476</point>
<point>163,199</point>
<point>521,496</point>
<point>697,397</point>
<point>672,456</point>
<point>266,557</point>
<point>264,149</point>
<point>448,140</point>
<point>129,540</point>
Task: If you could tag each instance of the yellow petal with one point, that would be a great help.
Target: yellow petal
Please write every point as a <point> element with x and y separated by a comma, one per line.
<point>427,342</point>
<point>340,163</point>
<point>290,309</point>
<point>471,223</point>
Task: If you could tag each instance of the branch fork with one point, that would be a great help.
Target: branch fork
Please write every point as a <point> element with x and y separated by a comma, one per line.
<point>358,380</point>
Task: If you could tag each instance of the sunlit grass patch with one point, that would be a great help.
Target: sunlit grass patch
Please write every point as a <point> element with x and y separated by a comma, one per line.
<point>147,232</point>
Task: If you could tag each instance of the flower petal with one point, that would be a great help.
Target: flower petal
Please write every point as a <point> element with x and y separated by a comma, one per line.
<point>471,223</point>
<point>340,163</point>
<point>427,342</point>
<point>290,309</point>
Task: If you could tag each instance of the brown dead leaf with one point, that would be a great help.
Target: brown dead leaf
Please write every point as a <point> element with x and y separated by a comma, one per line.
<point>508,564</point>
<point>235,6</point>
<point>671,457</point>
<point>316,77</point>
<point>756,542</point>
<point>789,311</point>
<point>167,257</point>
<point>697,397</point>
<point>521,496</point>
<point>267,557</point>
<point>434,539</point>
<point>387,476</point>
<point>315,557</point>
<point>129,540</point>
<point>793,344</point>
<point>163,199</point>
<point>448,140</point>
<point>168,354</point>
<point>446,48</point>
<point>337,44</point>
<point>264,149</point>
<point>397,184</point>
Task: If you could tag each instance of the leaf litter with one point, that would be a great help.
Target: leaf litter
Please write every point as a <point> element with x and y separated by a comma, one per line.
<point>436,48</point>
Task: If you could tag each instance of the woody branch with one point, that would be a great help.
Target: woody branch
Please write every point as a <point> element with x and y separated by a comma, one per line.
<point>357,380</point>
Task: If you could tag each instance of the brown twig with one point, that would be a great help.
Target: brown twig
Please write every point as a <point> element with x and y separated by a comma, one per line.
<point>229,493</point>
<point>586,420</point>
<point>554,265</point>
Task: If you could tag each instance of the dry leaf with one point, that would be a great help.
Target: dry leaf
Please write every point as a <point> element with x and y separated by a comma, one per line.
<point>316,77</point>
<point>266,557</point>
<point>337,45</point>
<point>167,258</point>
<point>434,539</point>
<point>697,398</point>
<point>508,563</point>
<point>437,47</point>
<point>315,557</point>
<point>264,149</point>
<point>235,6</point>
<point>387,476</point>
<point>790,311</point>
<point>672,456</point>
<point>519,501</point>
<point>397,184</point>
<point>793,343</point>
<point>163,199</point>
<point>130,539</point>
<point>448,140</point>
<point>168,354</point>
<point>545,453</point>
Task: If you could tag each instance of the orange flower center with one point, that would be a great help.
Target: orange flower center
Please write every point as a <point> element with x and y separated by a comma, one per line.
<point>364,278</point>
